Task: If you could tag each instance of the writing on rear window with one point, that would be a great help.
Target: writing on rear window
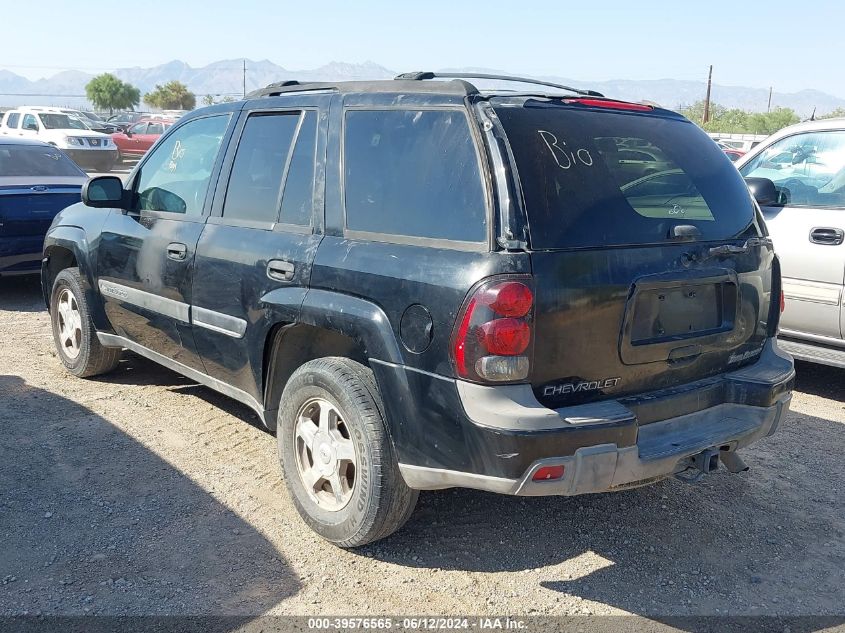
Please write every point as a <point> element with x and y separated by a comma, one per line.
<point>565,157</point>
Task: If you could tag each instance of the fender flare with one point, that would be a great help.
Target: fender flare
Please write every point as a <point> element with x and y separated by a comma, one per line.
<point>361,321</point>
<point>74,239</point>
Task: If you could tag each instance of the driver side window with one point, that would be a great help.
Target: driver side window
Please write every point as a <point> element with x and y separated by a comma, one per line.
<point>808,169</point>
<point>175,176</point>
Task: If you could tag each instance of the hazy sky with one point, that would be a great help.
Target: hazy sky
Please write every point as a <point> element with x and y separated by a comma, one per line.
<point>790,45</point>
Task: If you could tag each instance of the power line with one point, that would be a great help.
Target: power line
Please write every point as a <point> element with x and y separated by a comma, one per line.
<point>39,94</point>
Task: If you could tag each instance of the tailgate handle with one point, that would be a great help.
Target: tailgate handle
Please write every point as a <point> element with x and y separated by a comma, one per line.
<point>684,354</point>
<point>827,236</point>
<point>280,270</point>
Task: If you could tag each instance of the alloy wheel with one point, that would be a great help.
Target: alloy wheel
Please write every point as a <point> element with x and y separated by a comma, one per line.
<point>325,454</point>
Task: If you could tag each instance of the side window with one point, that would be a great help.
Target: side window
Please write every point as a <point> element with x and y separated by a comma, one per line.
<point>808,169</point>
<point>29,122</point>
<point>298,198</point>
<point>138,128</point>
<point>155,128</point>
<point>175,176</point>
<point>413,173</point>
<point>12,122</point>
<point>256,180</point>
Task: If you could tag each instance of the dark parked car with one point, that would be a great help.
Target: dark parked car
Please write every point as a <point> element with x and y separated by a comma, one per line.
<point>36,182</point>
<point>123,120</point>
<point>418,286</point>
<point>93,121</point>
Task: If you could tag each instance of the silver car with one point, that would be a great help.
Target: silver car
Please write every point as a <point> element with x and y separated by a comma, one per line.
<point>805,214</point>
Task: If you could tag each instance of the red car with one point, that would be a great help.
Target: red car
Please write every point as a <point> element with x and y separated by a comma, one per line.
<point>139,137</point>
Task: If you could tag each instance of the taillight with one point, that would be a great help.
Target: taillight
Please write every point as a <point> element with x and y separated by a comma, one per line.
<point>777,302</point>
<point>493,337</point>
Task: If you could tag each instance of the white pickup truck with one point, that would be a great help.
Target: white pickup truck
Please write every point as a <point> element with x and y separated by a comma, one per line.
<point>87,148</point>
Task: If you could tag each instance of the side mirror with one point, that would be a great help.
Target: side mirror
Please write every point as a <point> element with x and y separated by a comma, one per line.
<point>764,191</point>
<point>103,192</point>
<point>128,133</point>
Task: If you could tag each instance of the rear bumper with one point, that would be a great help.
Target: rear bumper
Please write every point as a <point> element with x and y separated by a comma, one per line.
<point>507,435</point>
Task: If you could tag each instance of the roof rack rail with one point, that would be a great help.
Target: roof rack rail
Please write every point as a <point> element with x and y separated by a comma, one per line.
<point>290,85</point>
<point>422,75</point>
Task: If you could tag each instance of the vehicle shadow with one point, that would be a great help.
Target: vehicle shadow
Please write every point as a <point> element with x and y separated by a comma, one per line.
<point>767,542</point>
<point>94,522</point>
<point>137,370</point>
<point>820,380</point>
<point>21,294</point>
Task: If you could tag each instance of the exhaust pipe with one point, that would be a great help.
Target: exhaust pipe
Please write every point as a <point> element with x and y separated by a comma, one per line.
<point>733,462</point>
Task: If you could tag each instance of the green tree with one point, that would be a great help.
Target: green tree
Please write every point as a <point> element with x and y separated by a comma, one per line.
<point>208,100</point>
<point>174,95</point>
<point>835,114</point>
<point>771,122</point>
<point>736,121</point>
<point>109,93</point>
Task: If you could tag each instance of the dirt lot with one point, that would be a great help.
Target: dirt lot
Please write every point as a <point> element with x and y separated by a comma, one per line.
<point>142,493</point>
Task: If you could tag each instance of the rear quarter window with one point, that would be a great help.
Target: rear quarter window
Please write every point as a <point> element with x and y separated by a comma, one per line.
<point>595,178</point>
<point>413,173</point>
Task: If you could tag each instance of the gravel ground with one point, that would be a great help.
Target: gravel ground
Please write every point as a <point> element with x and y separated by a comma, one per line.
<point>143,493</point>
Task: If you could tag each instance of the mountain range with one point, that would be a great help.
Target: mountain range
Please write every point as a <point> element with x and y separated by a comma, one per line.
<point>226,78</point>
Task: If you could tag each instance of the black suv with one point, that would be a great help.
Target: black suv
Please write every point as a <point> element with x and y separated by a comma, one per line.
<point>420,285</point>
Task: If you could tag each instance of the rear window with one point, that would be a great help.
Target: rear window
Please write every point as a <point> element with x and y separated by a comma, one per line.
<point>604,178</point>
<point>34,160</point>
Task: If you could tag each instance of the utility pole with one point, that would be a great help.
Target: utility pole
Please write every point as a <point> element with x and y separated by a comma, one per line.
<point>706,117</point>
<point>244,79</point>
<point>769,107</point>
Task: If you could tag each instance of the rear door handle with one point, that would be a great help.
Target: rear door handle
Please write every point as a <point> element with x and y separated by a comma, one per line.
<point>177,251</point>
<point>280,270</point>
<point>828,236</point>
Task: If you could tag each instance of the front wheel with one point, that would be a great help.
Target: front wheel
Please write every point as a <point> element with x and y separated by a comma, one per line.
<point>337,458</point>
<point>73,331</point>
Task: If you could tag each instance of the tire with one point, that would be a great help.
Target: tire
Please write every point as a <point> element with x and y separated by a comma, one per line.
<point>374,500</point>
<point>73,331</point>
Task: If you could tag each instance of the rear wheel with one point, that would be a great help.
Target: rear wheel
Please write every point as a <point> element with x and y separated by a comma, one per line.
<point>73,332</point>
<point>336,455</point>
